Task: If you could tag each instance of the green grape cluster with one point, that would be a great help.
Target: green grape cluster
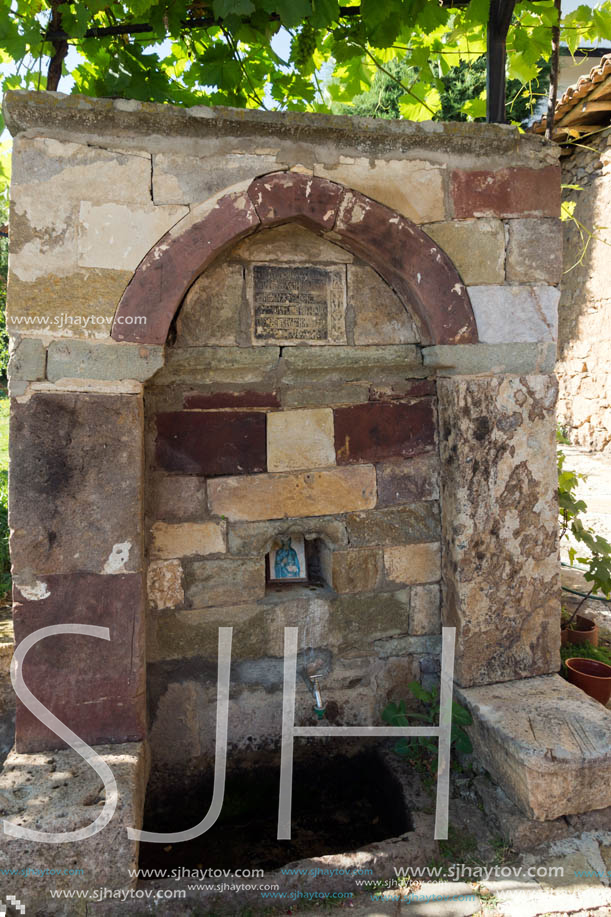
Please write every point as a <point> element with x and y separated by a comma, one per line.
<point>303,47</point>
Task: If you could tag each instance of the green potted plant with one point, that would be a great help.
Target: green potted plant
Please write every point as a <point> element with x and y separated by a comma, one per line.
<point>591,551</point>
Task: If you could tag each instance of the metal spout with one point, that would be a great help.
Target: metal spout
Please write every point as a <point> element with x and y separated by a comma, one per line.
<point>319,707</point>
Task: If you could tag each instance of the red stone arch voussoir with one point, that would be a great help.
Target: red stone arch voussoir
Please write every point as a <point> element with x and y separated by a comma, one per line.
<point>421,274</point>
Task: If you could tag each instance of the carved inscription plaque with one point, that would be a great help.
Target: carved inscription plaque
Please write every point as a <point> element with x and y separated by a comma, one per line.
<point>298,303</point>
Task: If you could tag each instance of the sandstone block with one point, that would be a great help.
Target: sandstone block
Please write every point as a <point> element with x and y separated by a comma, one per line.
<point>96,687</point>
<point>534,251</point>
<point>47,169</point>
<point>414,187</point>
<point>136,228</point>
<point>61,793</point>
<point>42,241</point>
<point>545,742</point>
<point>408,646</point>
<point>215,399</point>
<point>164,584</point>
<point>228,365</point>
<point>377,430</point>
<point>187,539</point>
<point>353,570</point>
<point>486,359</point>
<point>278,496</point>
<point>500,528</point>
<point>357,620</point>
<point>180,179</point>
<point>210,312</point>
<point>211,443</point>
<point>378,314</point>
<point>398,525</point>
<point>425,610</point>
<point>195,632</point>
<point>300,439</point>
<point>521,832</point>
<point>351,358</point>
<point>515,313</point>
<point>408,480</point>
<point>310,615</point>
<point>509,192</point>
<point>477,248</point>
<point>84,360</point>
<point>75,484</point>
<point>226,581</point>
<point>48,301</point>
<point>28,361</point>
<point>291,243</point>
<point>413,563</point>
<point>256,538</point>
<point>178,498</point>
<point>401,389</point>
<point>328,392</point>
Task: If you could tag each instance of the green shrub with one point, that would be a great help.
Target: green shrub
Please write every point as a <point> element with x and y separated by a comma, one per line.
<point>584,651</point>
<point>593,551</point>
<point>422,750</point>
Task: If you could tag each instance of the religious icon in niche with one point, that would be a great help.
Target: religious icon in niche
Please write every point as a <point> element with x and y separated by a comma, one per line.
<point>287,560</point>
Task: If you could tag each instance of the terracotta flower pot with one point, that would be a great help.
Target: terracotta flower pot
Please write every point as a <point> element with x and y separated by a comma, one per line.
<point>591,676</point>
<point>584,630</point>
<point>564,636</point>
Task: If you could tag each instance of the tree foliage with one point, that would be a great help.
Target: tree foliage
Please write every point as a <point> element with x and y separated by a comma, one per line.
<point>462,98</point>
<point>223,51</point>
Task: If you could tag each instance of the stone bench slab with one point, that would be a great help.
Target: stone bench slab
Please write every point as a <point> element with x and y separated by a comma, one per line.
<point>545,742</point>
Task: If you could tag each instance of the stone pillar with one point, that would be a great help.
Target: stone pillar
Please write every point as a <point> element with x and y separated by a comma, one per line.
<point>500,525</point>
<point>76,546</point>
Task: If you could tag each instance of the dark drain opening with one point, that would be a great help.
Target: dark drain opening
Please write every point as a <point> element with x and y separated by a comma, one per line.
<point>340,803</point>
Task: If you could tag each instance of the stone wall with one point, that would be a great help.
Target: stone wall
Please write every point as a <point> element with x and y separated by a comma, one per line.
<point>584,336</point>
<point>250,444</point>
<point>402,422</point>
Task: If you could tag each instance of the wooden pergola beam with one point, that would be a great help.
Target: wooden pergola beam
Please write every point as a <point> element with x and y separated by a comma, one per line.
<point>499,20</point>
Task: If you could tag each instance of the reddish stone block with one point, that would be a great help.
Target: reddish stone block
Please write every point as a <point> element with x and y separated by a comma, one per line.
<point>168,270</point>
<point>409,480</point>
<point>282,196</point>
<point>376,431</point>
<point>217,400</point>
<point>75,482</point>
<point>212,442</point>
<point>94,686</point>
<point>506,193</point>
<point>421,274</point>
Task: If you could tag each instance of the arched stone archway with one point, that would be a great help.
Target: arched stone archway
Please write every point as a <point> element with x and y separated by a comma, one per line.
<point>417,269</point>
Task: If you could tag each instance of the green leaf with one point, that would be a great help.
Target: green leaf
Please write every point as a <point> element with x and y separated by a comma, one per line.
<point>419,692</point>
<point>224,8</point>
<point>324,13</point>
<point>462,742</point>
<point>420,103</point>
<point>460,714</point>
<point>292,12</point>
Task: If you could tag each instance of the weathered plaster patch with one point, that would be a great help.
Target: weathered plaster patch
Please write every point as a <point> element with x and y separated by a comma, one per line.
<point>36,591</point>
<point>118,558</point>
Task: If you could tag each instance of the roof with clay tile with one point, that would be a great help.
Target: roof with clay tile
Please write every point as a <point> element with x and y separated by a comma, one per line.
<point>584,106</point>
